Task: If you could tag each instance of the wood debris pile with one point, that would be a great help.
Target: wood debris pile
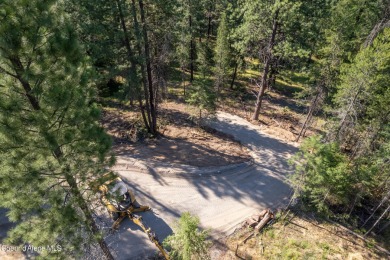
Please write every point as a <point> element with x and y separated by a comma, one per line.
<point>258,221</point>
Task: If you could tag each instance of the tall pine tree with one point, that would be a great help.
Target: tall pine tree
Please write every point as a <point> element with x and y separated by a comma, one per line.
<point>222,54</point>
<point>51,142</point>
<point>201,93</point>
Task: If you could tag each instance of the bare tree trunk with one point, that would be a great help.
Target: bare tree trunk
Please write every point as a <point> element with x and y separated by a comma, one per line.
<point>308,117</point>
<point>209,27</point>
<point>347,112</point>
<point>379,219</point>
<point>234,75</point>
<point>386,198</point>
<point>153,112</point>
<point>383,23</point>
<point>141,64</point>
<point>384,227</point>
<point>353,205</point>
<point>58,154</point>
<point>272,75</point>
<point>133,68</point>
<point>267,63</point>
<point>191,52</point>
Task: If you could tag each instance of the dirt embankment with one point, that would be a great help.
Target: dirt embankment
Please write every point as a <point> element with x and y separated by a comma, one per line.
<point>297,237</point>
<point>280,116</point>
<point>181,140</point>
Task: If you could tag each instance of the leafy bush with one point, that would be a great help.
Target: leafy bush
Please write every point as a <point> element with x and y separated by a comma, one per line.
<point>188,242</point>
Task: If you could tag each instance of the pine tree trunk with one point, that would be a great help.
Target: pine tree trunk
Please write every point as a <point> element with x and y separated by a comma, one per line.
<point>308,117</point>
<point>234,75</point>
<point>89,218</point>
<point>350,107</point>
<point>57,153</point>
<point>379,219</point>
<point>153,125</point>
<point>209,27</point>
<point>385,199</point>
<point>272,75</point>
<point>141,64</point>
<point>267,63</point>
<point>133,68</point>
<point>191,52</point>
<point>183,80</point>
<point>263,86</point>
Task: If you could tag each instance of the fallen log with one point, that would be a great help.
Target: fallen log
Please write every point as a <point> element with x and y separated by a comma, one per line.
<point>251,222</point>
<point>258,221</point>
<point>268,216</point>
<point>255,219</point>
<point>260,215</point>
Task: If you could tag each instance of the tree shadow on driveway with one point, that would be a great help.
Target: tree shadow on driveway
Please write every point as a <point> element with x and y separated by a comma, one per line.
<point>223,199</point>
<point>131,242</point>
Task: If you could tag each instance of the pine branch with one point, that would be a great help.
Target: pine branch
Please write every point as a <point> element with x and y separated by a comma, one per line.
<point>8,73</point>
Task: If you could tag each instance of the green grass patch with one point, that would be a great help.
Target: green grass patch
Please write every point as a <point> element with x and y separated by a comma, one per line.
<point>250,74</point>
<point>286,89</point>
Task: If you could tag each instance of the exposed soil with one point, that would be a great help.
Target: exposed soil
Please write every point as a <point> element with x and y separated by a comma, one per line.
<point>221,200</point>
<point>181,140</point>
<point>7,253</point>
<point>281,115</point>
<point>297,238</point>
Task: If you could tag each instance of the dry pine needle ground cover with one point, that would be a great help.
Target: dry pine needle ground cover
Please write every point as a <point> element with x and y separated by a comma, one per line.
<point>181,140</point>
<point>295,237</point>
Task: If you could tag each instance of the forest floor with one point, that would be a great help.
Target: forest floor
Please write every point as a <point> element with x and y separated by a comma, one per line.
<point>284,106</point>
<point>181,140</point>
<point>222,196</point>
<point>298,237</point>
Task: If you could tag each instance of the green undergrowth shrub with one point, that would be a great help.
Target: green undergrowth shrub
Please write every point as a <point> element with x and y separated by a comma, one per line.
<point>188,242</point>
<point>323,176</point>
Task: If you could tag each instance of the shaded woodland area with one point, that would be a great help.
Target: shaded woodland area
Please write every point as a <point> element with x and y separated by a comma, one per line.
<point>61,62</point>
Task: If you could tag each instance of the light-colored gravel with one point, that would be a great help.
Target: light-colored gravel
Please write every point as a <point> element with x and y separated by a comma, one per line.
<point>221,200</point>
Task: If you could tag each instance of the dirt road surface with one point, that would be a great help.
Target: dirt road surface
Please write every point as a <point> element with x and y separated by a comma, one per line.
<point>221,197</point>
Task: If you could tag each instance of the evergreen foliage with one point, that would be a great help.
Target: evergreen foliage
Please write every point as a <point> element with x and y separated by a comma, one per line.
<point>322,175</point>
<point>51,142</point>
<point>363,97</point>
<point>56,57</point>
<point>188,242</point>
<point>222,53</point>
<point>201,94</point>
<point>345,174</point>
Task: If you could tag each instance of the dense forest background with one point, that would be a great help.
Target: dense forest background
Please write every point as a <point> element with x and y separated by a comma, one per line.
<point>61,60</point>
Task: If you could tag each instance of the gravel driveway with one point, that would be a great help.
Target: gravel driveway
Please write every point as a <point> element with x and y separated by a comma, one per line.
<point>222,198</point>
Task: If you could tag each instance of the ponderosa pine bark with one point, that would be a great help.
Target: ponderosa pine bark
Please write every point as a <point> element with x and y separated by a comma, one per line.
<point>192,49</point>
<point>234,75</point>
<point>152,100</point>
<point>267,62</point>
<point>133,67</point>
